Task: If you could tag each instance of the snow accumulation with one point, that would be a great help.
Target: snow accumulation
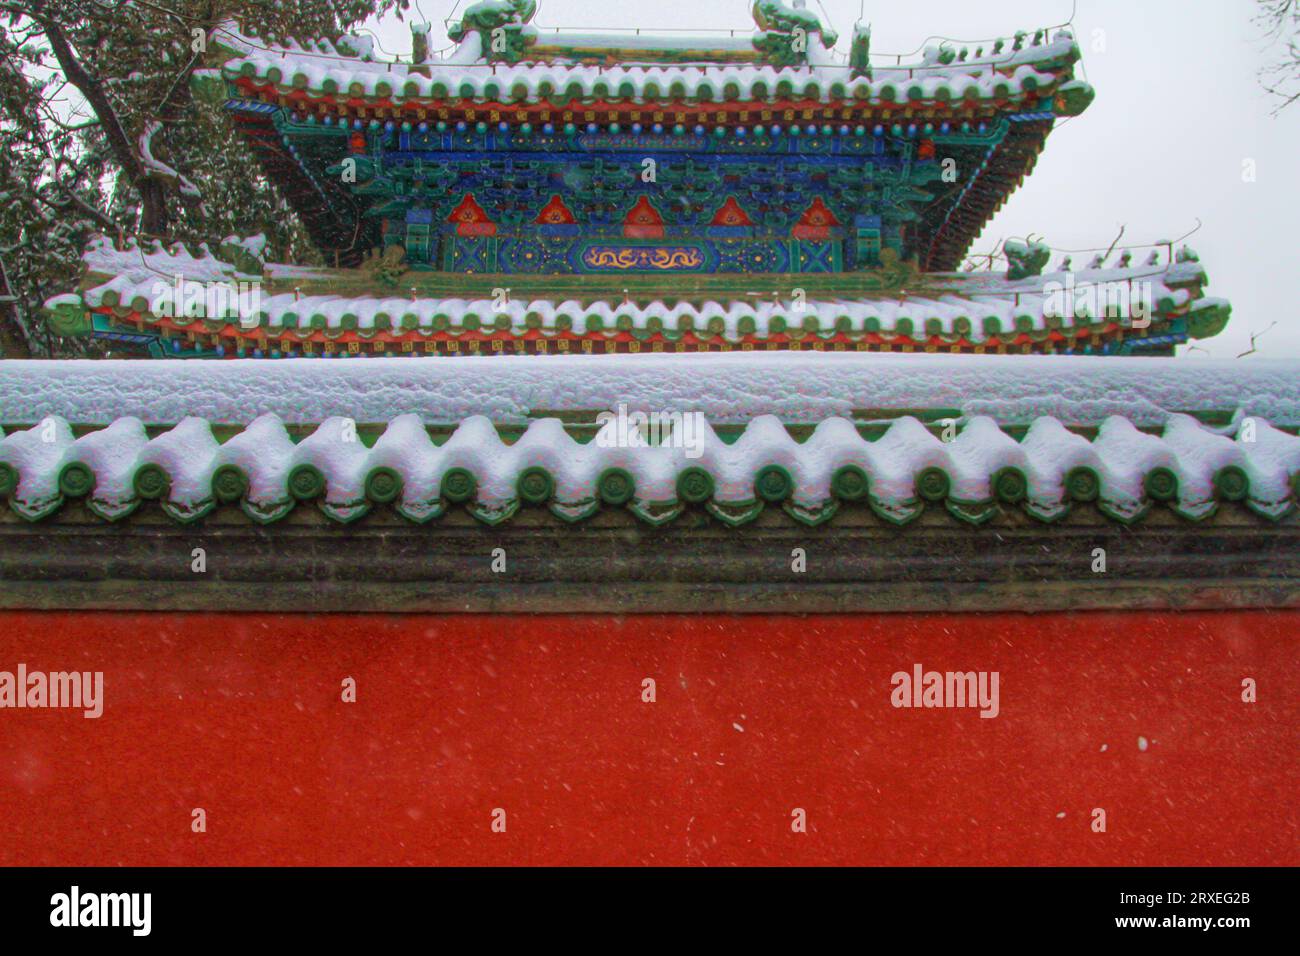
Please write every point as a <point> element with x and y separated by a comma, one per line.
<point>834,392</point>
<point>280,311</point>
<point>742,42</point>
<point>141,263</point>
<point>1122,459</point>
<point>1026,304</point>
<point>154,165</point>
<point>727,388</point>
<point>1005,75</point>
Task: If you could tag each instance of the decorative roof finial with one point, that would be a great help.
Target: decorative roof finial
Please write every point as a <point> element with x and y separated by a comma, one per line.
<point>860,51</point>
<point>785,31</point>
<point>502,27</point>
<point>419,43</point>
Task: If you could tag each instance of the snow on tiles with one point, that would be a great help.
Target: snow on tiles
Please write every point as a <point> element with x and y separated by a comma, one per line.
<point>1189,465</point>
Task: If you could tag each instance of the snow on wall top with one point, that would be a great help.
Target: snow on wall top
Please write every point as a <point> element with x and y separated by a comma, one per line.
<point>797,388</point>
<point>1125,471</point>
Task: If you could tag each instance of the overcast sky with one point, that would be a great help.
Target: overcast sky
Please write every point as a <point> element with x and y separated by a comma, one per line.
<point>1179,111</point>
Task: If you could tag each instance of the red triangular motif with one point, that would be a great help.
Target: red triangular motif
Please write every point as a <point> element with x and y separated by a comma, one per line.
<point>555,213</point>
<point>470,219</point>
<point>731,214</point>
<point>644,221</point>
<point>816,222</point>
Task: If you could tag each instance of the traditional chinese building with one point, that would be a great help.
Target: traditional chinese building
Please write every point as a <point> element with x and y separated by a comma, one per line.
<point>532,192</point>
<point>501,554</point>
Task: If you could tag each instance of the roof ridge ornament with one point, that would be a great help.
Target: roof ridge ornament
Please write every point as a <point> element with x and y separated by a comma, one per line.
<point>860,51</point>
<point>1026,259</point>
<point>785,31</point>
<point>503,28</point>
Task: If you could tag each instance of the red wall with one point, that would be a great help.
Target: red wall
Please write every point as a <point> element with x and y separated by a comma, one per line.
<point>241,715</point>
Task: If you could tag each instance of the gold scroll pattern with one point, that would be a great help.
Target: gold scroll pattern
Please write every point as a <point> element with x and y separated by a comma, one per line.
<point>654,258</point>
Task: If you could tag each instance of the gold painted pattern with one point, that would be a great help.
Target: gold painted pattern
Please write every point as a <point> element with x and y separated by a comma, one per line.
<point>658,258</point>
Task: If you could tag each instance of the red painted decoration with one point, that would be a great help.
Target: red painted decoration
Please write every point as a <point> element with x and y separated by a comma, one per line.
<point>357,143</point>
<point>471,220</point>
<point>731,214</point>
<point>926,149</point>
<point>555,213</point>
<point>1138,713</point>
<point>816,223</point>
<point>644,221</point>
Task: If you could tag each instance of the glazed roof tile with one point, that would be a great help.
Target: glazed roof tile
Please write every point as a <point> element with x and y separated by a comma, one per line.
<point>1189,466</point>
<point>321,69</point>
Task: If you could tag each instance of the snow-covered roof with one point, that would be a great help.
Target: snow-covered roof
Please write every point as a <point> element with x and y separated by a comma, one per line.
<point>982,470</point>
<point>642,41</point>
<point>1002,78</point>
<point>940,309</point>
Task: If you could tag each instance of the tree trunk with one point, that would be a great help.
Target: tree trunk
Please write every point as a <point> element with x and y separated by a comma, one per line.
<point>154,218</point>
<point>153,199</point>
<point>12,344</point>
<point>13,341</point>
